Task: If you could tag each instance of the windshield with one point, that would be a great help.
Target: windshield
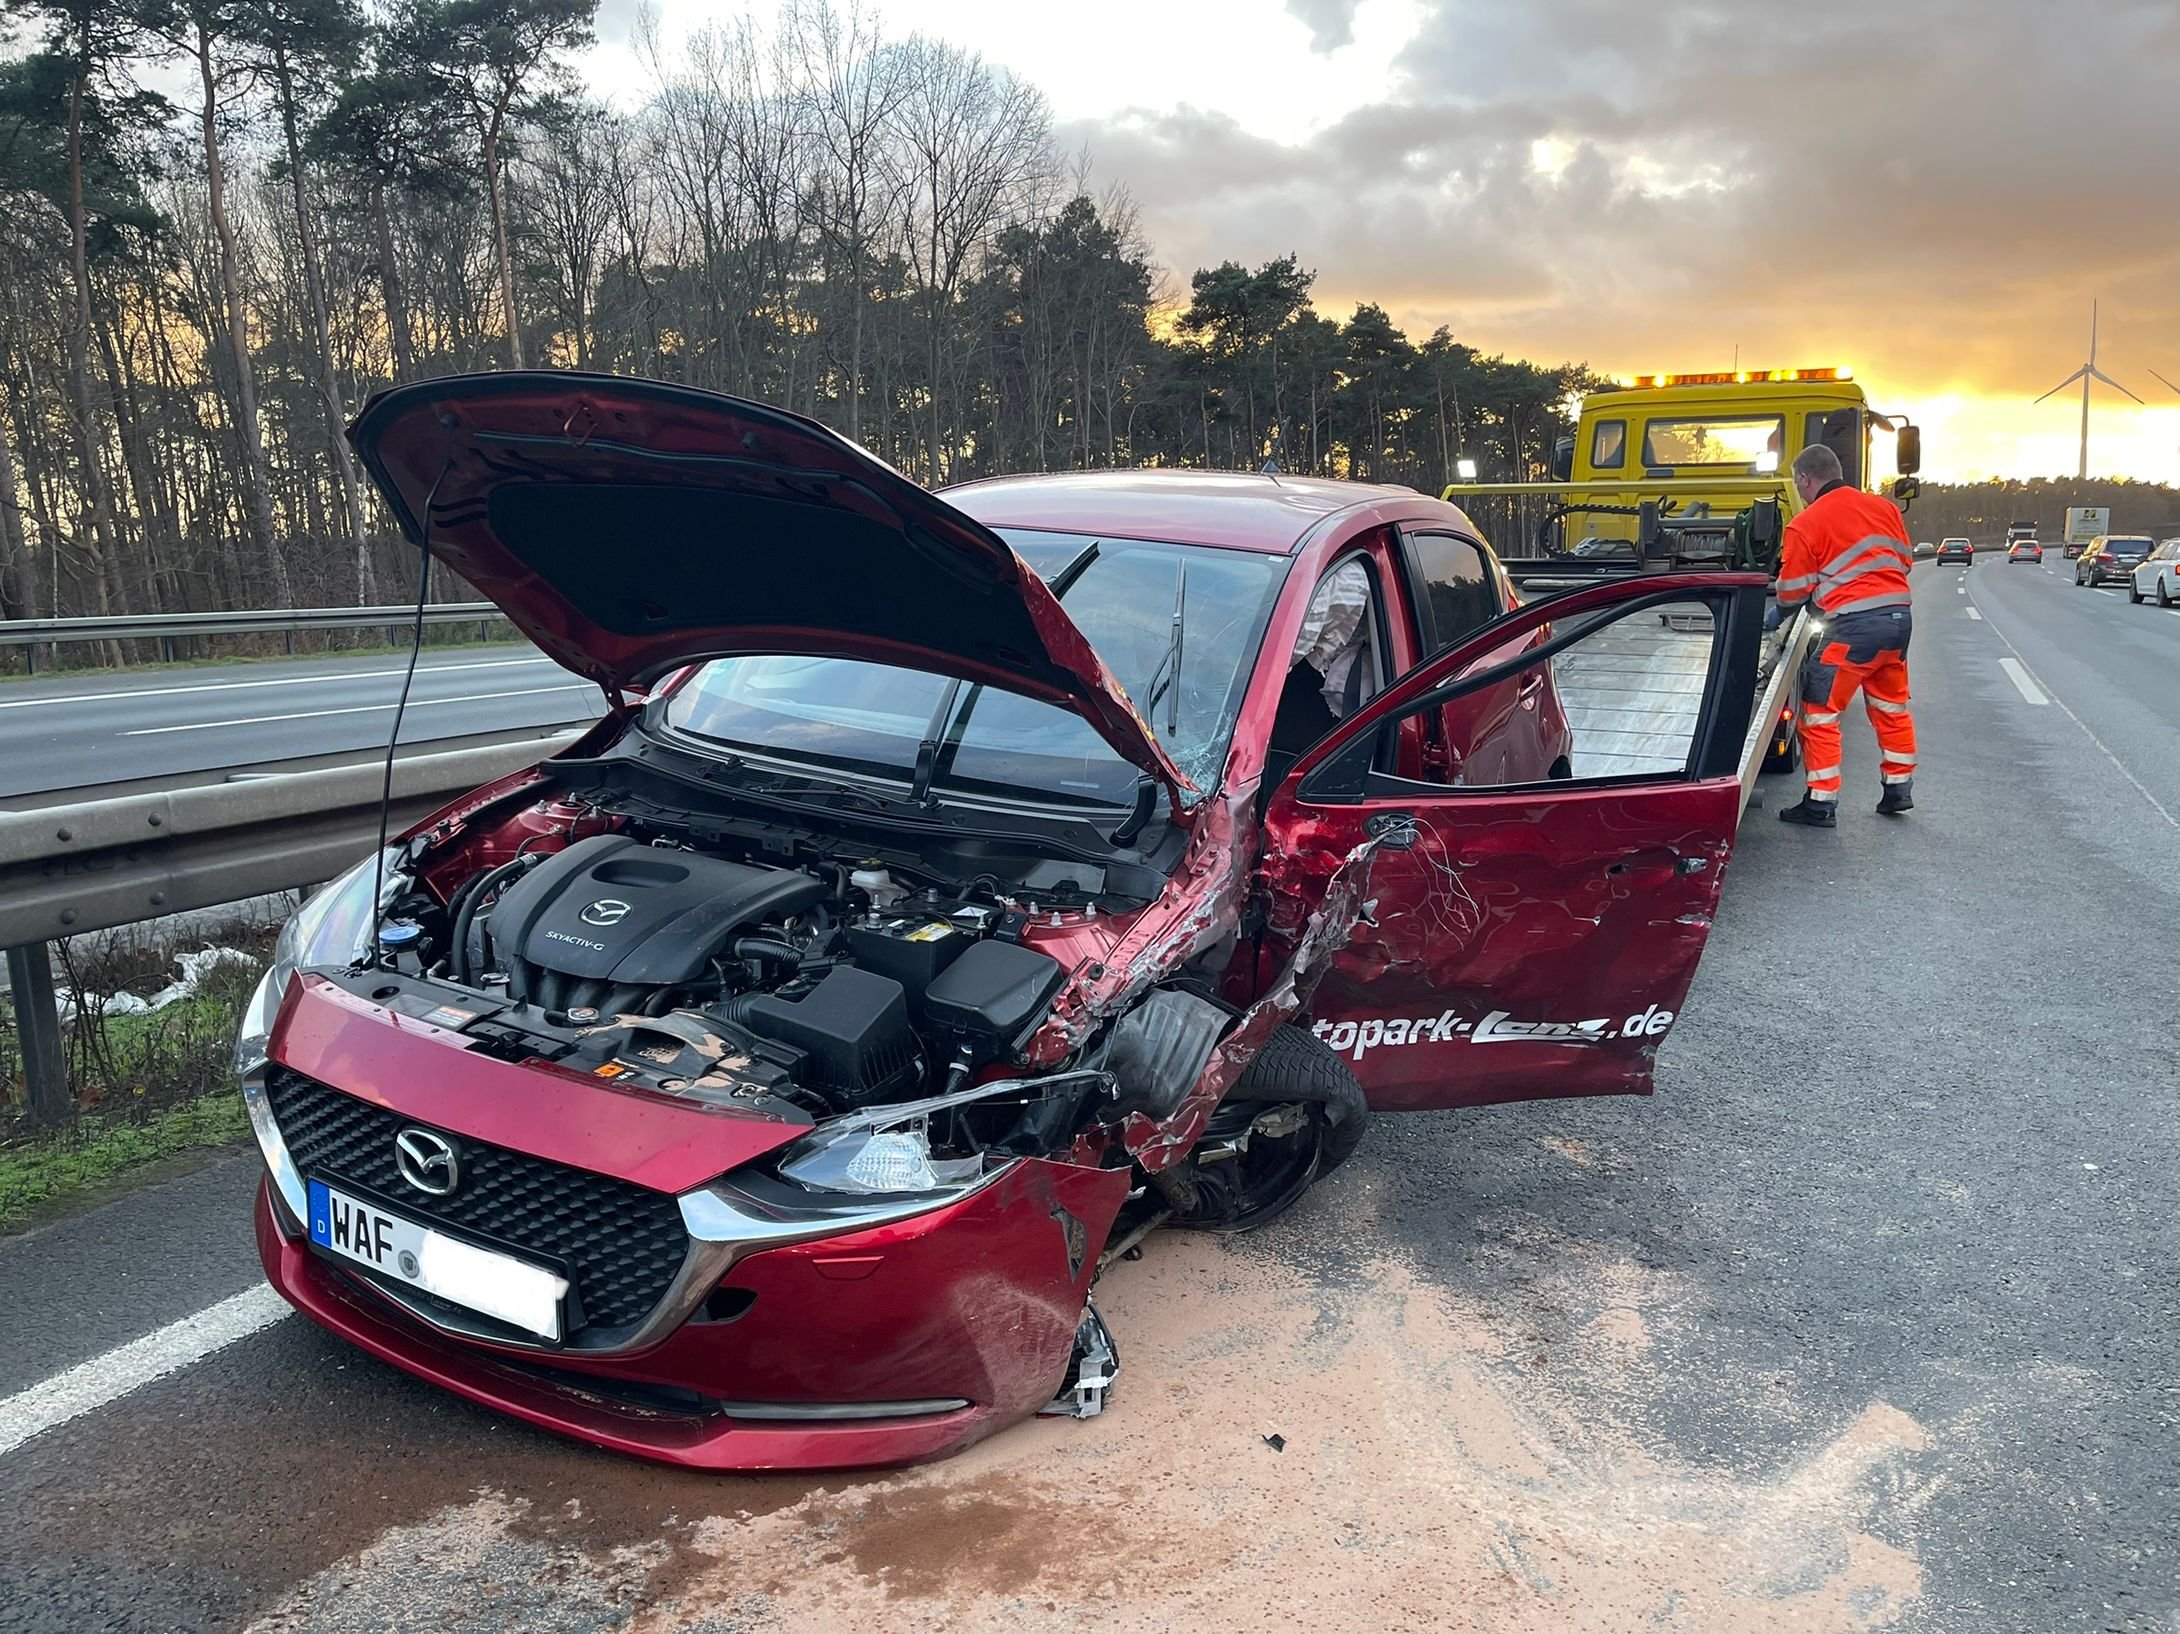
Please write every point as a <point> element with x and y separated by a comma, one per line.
<point>1726,440</point>
<point>1141,604</point>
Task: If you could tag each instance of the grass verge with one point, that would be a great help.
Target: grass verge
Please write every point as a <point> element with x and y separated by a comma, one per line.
<point>147,1085</point>
<point>39,1171</point>
<point>230,660</point>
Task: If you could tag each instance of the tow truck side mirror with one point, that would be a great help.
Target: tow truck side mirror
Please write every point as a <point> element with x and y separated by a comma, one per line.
<point>1907,450</point>
<point>1563,460</point>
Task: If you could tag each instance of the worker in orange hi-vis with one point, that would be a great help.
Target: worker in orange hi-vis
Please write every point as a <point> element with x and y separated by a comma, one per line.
<point>1848,552</point>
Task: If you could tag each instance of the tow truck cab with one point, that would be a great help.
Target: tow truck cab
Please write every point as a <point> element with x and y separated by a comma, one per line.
<point>1684,467</point>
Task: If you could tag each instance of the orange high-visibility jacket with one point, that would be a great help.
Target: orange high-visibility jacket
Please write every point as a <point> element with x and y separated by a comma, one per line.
<point>1848,550</point>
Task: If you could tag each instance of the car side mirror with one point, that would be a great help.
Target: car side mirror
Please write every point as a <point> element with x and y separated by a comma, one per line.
<point>1907,450</point>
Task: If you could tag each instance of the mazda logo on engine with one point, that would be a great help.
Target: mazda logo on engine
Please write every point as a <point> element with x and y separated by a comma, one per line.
<point>431,1163</point>
<point>607,910</point>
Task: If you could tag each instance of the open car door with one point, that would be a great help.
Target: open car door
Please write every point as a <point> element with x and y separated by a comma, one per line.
<point>1532,939</point>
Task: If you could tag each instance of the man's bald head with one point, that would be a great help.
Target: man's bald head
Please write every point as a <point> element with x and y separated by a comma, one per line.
<point>1819,464</point>
<point>1815,469</point>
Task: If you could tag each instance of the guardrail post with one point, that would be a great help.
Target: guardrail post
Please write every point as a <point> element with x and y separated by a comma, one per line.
<point>38,1027</point>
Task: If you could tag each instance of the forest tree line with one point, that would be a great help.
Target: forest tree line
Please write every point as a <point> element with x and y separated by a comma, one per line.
<point>1982,511</point>
<point>228,222</point>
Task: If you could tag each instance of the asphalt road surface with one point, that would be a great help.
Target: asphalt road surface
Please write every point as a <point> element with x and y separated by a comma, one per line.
<point>1867,1320</point>
<point>78,731</point>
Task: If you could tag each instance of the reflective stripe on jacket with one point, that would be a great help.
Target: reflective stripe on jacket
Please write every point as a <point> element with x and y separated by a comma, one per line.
<point>1848,549</point>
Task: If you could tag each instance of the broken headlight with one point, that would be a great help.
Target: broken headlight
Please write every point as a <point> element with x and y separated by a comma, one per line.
<point>870,1162</point>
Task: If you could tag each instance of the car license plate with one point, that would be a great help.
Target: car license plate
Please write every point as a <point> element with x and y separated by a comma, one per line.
<point>497,1285</point>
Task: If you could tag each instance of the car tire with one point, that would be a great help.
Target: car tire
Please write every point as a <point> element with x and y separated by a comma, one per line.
<point>2164,596</point>
<point>1295,1068</point>
<point>2134,594</point>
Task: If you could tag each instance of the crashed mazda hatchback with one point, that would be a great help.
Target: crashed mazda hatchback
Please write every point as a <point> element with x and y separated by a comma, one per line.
<point>955,889</point>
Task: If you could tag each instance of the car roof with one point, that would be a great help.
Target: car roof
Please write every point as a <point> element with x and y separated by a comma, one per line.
<point>1241,509</point>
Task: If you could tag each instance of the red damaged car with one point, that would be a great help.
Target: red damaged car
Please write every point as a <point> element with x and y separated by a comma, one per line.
<point>955,888</point>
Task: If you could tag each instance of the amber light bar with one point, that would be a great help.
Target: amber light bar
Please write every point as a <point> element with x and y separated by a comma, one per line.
<point>1733,377</point>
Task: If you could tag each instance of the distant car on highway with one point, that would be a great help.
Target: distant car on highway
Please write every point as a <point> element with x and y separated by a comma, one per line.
<point>2111,556</point>
<point>1924,548</point>
<point>2157,575</point>
<point>2024,550</point>
<point>1957,550</point>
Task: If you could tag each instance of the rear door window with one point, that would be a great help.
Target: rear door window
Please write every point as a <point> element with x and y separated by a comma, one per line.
<point>1455,589</point>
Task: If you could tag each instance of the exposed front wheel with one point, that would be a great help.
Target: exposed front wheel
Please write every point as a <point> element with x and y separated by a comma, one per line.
<point>2164,596</point>
<point>2134,593</point>
<point>1295,1115</point>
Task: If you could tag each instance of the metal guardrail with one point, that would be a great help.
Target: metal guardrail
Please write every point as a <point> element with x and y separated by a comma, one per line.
<point>67,870</point>
<point>98,864</point>
<point>166,628</point>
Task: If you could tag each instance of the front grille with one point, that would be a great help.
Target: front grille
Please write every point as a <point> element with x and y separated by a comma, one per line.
<point>621,1244</point>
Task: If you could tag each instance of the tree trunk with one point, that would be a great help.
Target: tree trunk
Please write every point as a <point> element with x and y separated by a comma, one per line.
<point>99,541</point>
<point>259,484</point>
<point>14,546</point>
<point>494,185</point>
<point>329,375</point>
<point>389,284</point>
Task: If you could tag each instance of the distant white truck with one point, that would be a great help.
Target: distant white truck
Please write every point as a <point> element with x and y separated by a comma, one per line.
<point>2084,523</point>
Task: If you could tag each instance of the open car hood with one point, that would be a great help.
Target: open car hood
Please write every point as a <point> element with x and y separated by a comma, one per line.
<point>629,526</point>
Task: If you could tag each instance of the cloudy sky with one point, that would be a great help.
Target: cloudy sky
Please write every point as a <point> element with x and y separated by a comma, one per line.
<point>1929,191</point>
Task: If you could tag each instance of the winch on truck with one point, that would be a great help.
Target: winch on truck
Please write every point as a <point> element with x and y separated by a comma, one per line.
<point>1689,470</point>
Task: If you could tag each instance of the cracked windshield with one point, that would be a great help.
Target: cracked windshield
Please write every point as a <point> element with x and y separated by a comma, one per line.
<point>1176,624</point>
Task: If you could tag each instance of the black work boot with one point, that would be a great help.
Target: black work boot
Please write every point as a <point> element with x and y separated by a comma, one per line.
<point>1812,813</point>
<point>1898,799</point>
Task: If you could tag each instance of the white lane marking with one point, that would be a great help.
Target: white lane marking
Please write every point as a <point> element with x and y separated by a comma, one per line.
<point>278,681</point>
<point>2020,678</point>
<point>353,709</point>
<point>1978,617</point>
<point>2104,590</point>
<point>91,1385</point>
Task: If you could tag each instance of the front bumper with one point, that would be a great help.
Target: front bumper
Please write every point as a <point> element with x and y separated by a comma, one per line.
<point>791,1336</point>
<point>952,1325</point>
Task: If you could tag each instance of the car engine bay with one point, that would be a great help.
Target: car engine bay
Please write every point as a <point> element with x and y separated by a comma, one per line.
<point>812,990</point>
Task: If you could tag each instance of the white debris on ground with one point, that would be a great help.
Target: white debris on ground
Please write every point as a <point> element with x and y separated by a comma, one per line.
<point>194,966</point>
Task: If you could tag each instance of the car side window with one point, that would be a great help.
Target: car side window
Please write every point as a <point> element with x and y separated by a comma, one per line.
<point>1337,644</point>
<point>1608,445</point>
<point>1455,589</point>
<point>1335,668</point>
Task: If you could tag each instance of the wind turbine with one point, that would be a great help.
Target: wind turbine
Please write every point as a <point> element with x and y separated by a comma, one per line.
<point>2085,374</point>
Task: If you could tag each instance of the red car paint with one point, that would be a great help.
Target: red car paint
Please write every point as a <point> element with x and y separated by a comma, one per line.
<point>1410,901</point>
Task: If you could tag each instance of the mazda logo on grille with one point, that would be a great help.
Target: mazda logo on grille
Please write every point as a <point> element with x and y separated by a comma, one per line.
<point>607,910</point>
<point>431,1163</point>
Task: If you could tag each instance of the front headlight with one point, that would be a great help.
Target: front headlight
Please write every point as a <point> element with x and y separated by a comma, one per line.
<point>333,927</point>
<point>886,1150</point>
<point>872,1162</point>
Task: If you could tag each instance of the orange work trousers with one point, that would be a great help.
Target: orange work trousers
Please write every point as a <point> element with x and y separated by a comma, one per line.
<point>1867,653</point>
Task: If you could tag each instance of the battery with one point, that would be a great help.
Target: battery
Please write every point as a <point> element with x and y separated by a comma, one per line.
<point>911,948</point>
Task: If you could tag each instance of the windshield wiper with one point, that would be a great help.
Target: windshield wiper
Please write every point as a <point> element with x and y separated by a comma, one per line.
<point>1166,678</point>
<point>934,732</point>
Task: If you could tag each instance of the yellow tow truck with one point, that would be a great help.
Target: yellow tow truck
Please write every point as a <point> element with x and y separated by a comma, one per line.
<point>1687,469</point>
<point>1690,471</point>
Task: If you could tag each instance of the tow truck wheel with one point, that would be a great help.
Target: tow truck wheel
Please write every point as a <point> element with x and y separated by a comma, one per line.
<point>1295,1115</point>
